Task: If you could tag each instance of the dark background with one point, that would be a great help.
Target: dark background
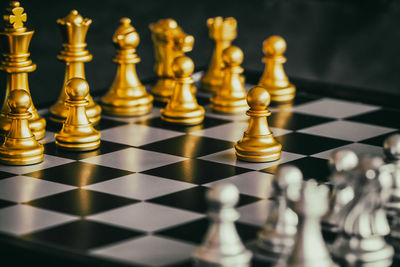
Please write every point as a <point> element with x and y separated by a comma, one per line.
<point>353,43</point>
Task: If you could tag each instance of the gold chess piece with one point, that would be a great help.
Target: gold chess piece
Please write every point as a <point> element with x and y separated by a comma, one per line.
<point>126,96</point>
<point>182,108</point>
<point>77,133</point>
<point>274,78</point>
<point>231,97</point>
<point>20,146</point>
<point>17,64</point>
<point>223,32</point>
<point>169,42</point>
<point>258,143</point>
<point>74,29</point>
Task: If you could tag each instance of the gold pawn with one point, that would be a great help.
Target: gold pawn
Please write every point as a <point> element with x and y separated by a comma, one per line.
<point>258,143</point>
<point>169,41</point>
<point>182,108</point>
<point>20,146</point>
<point>223,32</point>
<point>74,29</point>
<point>77,133</point>
<point>231,97</point>
<point>274,78</point>
<point>126,96</point>
<point>17,64</point>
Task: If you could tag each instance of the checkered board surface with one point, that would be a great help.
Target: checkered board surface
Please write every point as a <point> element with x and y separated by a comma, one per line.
<point>140,198</point>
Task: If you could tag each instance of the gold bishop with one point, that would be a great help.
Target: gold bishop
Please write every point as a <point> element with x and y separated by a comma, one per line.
<point>231,97</point>
<point>77,133</point>
<point>126,96</point>
<point>17,64</point>
<point>183,108</point>
<point>258,143</point>
<point>74,29</point>
<point>274,78</point>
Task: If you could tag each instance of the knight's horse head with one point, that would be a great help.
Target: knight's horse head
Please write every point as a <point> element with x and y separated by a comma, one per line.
<point>170,41</point>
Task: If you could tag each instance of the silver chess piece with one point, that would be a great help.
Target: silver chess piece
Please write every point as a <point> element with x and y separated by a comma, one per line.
<point>276,238</point>
<point>309,248</point>
<point>391,147</point>
<point>363,221</point>
<point>341,163</point>
<point>222,246</point>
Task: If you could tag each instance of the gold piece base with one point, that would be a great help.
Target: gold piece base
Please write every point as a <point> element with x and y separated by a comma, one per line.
<point>258,158</point>
<point>192,117</point>
<point>21,157</point>
<point>127,111</point>
<point>282,95</point>
<point>210,87</point>
<point>214,83</point>
<point>59,112</point>
<point>236,106</point>
<point>79,146</point>
<point>78,142</point>
<point>127,107</point>
<point>258,149</point>
<point>163,89</point>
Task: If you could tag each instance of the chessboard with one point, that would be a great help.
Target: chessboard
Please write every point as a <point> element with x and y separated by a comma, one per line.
<point>139,200</point>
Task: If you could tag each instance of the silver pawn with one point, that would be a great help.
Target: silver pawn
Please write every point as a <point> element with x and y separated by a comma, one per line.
<point>222,246</point>
<point>276,239</point>
<point>309,249</point>
<point>391,148</point>
<point>340,163</point>
<point>363,220</point>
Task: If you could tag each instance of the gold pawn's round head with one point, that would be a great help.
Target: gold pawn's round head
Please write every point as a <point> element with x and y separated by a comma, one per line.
<point>232,55</point>
<point>77,89</point>
<point>182,66</point>
<point>19,101</point>
<point>258,98</point>
<point>274,46</point>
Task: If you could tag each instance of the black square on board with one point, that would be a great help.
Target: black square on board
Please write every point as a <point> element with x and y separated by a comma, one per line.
<point>306,144</point>
<point>294,121</point>
<point>108,123</point>
<point>189,146</point>
<point>378,140</point>
<point>82,235</point>
<point>81,202</point>
<point>194,199</point>
<point>105,147</point>
<point>6,203</point>
<point>382,117</point>
<point>208,122</point>
<point>195,231</point>
<point>312,168</point>
<point>196,171</point>
<point>4,175</point>
<point>78,173</point>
